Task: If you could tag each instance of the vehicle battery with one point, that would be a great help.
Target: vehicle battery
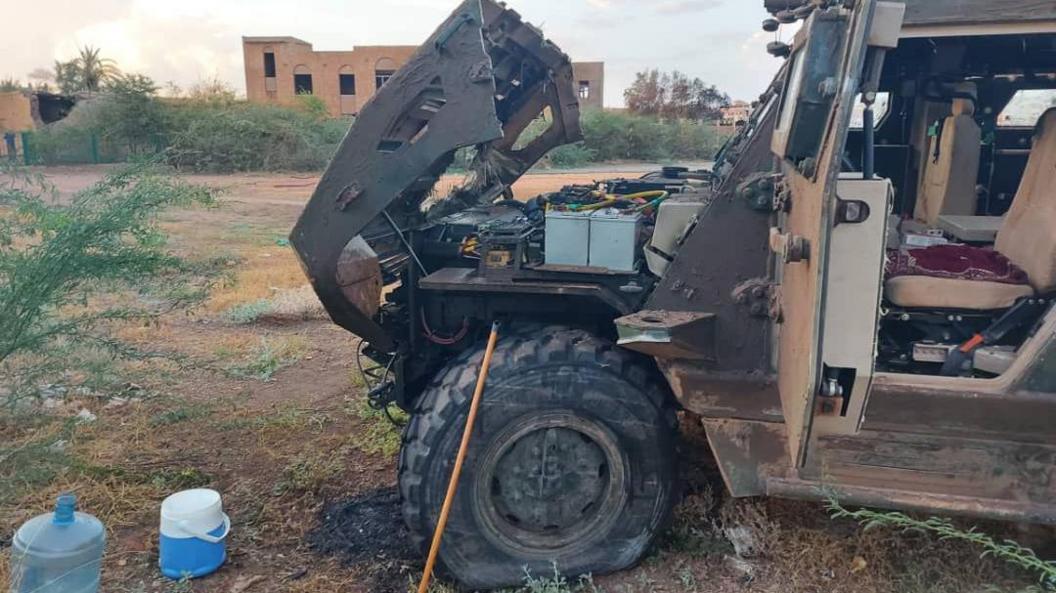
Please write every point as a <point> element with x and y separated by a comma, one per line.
<point>614,240</point>
<point>567,238</point>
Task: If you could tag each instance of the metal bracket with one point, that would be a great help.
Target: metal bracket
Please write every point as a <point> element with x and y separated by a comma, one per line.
<point>757,295</point>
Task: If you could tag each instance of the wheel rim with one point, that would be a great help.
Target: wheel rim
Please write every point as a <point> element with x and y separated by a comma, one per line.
<point>550,481</point>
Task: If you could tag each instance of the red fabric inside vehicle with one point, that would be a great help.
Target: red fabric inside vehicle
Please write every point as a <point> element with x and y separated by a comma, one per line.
<point>960,262</point>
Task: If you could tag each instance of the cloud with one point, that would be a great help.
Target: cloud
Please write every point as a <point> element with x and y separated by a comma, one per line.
<point>165,48</point>
<point>192,40</point>
<point>664,7</point>
<point>686,6</point>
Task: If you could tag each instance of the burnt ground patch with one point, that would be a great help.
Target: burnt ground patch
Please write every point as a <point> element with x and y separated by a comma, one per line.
<point>367,532</point>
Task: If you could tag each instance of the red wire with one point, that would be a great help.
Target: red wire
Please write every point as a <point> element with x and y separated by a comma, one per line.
<point>451,341</point>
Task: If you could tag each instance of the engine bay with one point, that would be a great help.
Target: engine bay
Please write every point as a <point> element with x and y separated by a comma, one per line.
<point>627,227</point>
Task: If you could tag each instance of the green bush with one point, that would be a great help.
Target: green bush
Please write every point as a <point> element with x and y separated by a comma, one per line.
<point>613,136</point>
<point>71,271</point>
<point>616,136</point>
<point>241,136</point>
<point>211,131</point>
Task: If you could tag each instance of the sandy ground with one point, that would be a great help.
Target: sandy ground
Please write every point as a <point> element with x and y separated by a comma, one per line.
<point>295,189</point>
<point>269,410</point>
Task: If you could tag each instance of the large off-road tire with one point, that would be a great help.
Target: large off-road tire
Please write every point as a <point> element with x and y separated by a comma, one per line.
<point>573,460</point>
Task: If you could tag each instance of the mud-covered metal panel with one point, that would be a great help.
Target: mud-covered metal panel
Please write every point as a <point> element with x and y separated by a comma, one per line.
<point>726,251</point>
<point>479,80</point>
<point>669,334</point>
<point>1041,376</point>
<point>748,454</point>
<point>801,241</point>
<point>989,471</point>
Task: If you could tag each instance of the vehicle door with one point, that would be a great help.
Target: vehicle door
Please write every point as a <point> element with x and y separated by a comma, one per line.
<point>825,72</point>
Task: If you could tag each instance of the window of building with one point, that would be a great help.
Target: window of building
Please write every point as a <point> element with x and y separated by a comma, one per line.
<point>1026,108</point>
<point>381,77</point>
<point>584,89</point>
<point>269,64</point>
<point>302,84</point>
<point>347,83</point>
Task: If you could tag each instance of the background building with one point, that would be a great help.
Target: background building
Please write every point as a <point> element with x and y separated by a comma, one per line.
<point>280,68</point>
<point>739,112</point>
<point>25,110</point>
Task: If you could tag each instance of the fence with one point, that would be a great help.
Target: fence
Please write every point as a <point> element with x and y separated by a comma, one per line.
<point>72,146</point>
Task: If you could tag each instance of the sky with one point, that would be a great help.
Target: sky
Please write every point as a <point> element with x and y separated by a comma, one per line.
<point>189,41</point>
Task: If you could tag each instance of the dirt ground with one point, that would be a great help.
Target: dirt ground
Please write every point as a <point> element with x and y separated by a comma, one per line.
<point>271,412</point>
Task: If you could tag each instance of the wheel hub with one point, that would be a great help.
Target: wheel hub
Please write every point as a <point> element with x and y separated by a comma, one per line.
<point>550,480</point>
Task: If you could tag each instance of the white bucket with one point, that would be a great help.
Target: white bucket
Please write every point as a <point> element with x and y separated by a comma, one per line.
<point>193,513</point>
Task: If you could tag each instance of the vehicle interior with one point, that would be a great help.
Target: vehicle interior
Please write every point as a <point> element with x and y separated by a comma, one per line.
<point>966,132</point>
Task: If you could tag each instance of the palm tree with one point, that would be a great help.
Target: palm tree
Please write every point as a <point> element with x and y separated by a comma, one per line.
<point>94,69</point>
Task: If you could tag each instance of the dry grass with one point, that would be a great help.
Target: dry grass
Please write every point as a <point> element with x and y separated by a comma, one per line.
<point>801,549</point>
<point>297,304</point>
<point>260,276</point>
<point>268,356</point>
<point>5,566</point>
<point>332,578</point>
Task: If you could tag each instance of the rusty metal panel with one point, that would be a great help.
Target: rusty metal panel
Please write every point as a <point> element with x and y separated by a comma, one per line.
<point>928,473</point>
<point>748,453</point>
<point>726,249</point>
<point>736,395</point>
<point>984,469</point>
<point>669,334</point>
<point>910,500</point>
<point>809,219</point>
<point>1014,415</point>
<point>978,476</point>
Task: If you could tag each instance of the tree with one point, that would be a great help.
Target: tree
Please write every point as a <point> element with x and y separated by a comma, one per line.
<point>10,84</point>
<point>95,70</point>
<point>648,94</point>
<point>67,76</point>
<point>88,72</point>
<point>674,95</point>
<point>129,113</point>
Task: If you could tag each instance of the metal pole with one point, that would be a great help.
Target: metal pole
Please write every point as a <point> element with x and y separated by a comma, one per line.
<point>869,140</point>
<point>456,472</point>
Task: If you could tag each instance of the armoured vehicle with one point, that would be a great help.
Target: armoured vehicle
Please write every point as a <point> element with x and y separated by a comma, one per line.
<point>856,299</point>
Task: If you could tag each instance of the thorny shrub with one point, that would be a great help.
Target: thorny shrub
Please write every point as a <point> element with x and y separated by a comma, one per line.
<point>72,270</point>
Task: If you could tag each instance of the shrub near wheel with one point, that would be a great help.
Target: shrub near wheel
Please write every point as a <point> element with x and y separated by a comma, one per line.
<point>572,460</point>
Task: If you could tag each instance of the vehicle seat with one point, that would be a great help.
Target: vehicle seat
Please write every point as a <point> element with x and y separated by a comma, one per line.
<point>1027,238</point>
<point>950,177</point>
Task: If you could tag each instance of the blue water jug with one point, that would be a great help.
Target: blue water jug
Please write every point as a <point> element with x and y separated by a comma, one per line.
<point>60,552</point>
